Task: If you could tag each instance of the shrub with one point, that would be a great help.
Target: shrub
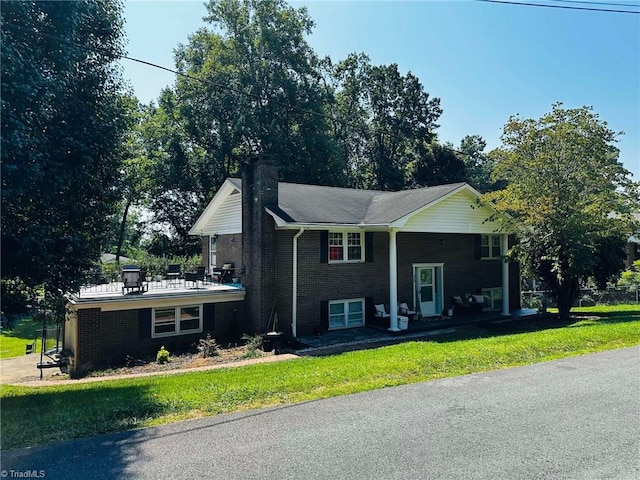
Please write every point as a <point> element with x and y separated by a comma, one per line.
<point>208,347</point>
<point>254,346</point>
<point>163,356</point>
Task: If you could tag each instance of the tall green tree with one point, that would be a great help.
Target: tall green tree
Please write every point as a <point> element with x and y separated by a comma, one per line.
<point>478,164</point>
<point>63,123</point>
<point>437,164</point>
<point>385,121</point>
<point>255,87</point>
<point>568,197</point>
<point>260,86</point>
<point>180,175</point>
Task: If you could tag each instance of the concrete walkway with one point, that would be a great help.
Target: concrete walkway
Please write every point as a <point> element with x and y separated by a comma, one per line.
<point>22,371</point>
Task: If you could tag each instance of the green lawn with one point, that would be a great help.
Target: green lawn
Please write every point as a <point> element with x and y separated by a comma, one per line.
<point>41,415</point>
<point>13,342</point>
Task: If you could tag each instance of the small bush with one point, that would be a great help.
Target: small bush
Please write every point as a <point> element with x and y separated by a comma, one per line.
<point>163,356</point>
<point>208,347</point>
<point>254,346</point>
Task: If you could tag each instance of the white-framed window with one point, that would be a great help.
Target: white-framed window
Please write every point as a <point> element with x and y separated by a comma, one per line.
<point>494,294</point>
<point>346,313</point>
<point>169,321</point>
<point>490,247</point>
<point>346,247</point>
<point>213,247</point>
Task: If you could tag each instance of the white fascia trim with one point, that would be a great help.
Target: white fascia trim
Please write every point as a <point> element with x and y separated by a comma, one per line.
<point>223,193</point>
<point>284,225</point>
<point>178,299</point>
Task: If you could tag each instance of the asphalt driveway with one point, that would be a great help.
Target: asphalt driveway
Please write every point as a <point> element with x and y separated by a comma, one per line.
<point>575,418</point>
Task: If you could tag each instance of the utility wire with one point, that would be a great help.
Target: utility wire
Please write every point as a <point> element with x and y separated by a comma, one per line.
<point>566,7</point>
<point>212,83</point>
<point>628,4</point>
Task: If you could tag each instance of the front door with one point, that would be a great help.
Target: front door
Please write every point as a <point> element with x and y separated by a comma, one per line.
<point>426,290</point>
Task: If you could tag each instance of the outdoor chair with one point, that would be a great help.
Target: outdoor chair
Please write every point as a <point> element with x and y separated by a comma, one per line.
<point>403,309</point>
<point>468,304</point>
<point>381,312</point>
<point>132,279</point>
<point>227,273</point>
<point>173,272</point>
<point>195,277</point>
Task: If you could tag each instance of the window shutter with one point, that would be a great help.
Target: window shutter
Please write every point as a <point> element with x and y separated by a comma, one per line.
<point>368,247</point>
<point>208,315</point>
<point>477,247</point>
<point>369,310</point>
<point>324,314</point>
<point>144,323</point>
<point>324,246</point>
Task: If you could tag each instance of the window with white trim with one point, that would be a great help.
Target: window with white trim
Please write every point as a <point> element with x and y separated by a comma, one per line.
<point>346,313</point>
<point>490,247</point>
<point>213,247</point>
<point>346,247</point>
<point>494,294</point>
<point>169,321</point>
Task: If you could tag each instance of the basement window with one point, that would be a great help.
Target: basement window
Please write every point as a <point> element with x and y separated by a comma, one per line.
<point>170,321</point>
<point>346,313</point>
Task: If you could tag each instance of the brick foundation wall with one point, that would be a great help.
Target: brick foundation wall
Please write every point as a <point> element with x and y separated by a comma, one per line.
<point>319,282</point>
<point>107,338</point>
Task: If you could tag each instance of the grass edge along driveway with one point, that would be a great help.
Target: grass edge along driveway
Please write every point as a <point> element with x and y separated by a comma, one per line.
<point>39,415</point>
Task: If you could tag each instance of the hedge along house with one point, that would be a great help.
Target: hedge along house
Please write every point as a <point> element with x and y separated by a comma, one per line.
<point>104,325</point>
<point>323,256</point>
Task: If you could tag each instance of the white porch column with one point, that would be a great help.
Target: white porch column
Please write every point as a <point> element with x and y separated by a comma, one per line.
<point>393,281</point>
<point>504,247</point>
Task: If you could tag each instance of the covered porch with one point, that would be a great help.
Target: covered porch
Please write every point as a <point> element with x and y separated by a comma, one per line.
<point>423,328</point>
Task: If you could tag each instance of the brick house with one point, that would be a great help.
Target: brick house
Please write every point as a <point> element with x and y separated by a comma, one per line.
<point>104,326</point>
<point>323,256</point>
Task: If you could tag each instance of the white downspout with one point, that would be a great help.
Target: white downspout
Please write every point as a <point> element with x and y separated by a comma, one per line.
<point>505,274</point>
<point>393,282</point>
<point>294,303</point>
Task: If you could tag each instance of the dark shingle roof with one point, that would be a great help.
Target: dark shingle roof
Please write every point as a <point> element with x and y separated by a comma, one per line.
<point>333,205</point>
<point>301,203</point>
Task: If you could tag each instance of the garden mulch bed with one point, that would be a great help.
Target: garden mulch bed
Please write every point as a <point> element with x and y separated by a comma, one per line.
<point>182,362</point>
<point>22,371</point>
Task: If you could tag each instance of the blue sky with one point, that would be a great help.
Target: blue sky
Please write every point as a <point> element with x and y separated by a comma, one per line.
<point>484,61</point>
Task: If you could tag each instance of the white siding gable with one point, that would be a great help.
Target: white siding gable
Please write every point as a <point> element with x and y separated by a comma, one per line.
<point>223,215</point>
<point>457,213</point>
<point>227,218</point>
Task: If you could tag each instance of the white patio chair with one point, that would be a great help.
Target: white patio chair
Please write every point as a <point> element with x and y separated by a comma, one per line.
<point>403,309</point>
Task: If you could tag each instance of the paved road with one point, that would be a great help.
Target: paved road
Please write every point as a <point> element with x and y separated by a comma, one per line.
<point>574,418</point>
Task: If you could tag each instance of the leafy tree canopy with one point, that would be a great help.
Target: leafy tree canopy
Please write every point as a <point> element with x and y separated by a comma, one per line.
<point>567,196</point>
<point>63,120</point>
<point>384,123</point>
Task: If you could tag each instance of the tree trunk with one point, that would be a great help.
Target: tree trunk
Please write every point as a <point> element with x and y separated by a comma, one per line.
<point>566,295</point>
<point>123,225</point>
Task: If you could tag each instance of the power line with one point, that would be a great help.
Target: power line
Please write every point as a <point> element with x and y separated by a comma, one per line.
<point>599,3</point>
<point>566,7</point>
<point>215,84</point>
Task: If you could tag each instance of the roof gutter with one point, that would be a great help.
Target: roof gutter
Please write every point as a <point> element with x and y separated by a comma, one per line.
<point>294,302</point>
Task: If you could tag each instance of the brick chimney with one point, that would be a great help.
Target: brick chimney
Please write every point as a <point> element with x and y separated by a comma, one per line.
<point>259,190</point>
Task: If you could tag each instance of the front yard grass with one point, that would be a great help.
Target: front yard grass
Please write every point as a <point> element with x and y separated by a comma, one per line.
<point>32,415</point>
<point>13,342</point>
